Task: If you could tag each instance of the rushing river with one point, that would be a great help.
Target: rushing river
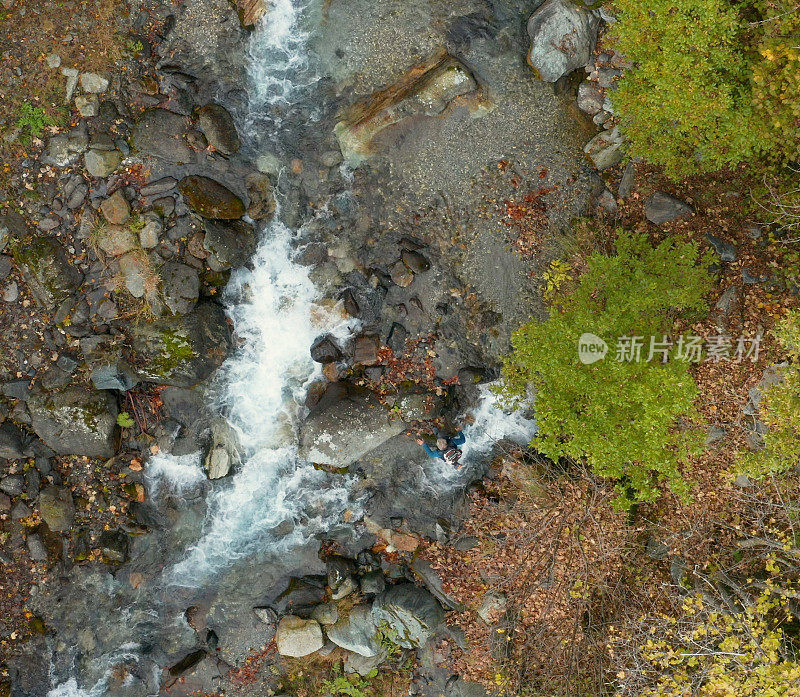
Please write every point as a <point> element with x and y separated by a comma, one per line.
<point>274,500</point>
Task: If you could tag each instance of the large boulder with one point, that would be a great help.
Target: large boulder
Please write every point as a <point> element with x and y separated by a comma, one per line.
<point>160,133</point>
<point>47,270</point>
<point>210,199</point>
<point>345,431</point>
<point>57,508</point>
<point>219,128</point>
<point>229,244</point>
<point>75,421</point>
<point>412,613</point>
<point>356,631</point>
<point>181,351</point>
<point>563,37</point>
<point>297,637</point>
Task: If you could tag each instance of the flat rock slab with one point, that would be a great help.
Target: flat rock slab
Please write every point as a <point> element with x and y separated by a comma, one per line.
<point>345,431</point>
<point>662,208</point>
<point>160,133</point>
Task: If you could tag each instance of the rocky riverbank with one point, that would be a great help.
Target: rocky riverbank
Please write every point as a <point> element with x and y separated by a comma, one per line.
<point>428,149</point>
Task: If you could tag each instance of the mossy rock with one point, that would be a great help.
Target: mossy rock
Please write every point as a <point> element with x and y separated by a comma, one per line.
<point>76,421</point>
<point>211,199</point>
<point>46,269</point>
<point>181,351</point>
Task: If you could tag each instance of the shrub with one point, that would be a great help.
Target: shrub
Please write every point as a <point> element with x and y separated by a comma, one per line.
<point>683,103</point>
<point>619,415</point>
<point>776,78</point>
<point>709,89</point>
<point>781,410</point>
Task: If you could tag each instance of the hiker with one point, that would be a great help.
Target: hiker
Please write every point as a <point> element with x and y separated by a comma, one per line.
<point>446,448</point>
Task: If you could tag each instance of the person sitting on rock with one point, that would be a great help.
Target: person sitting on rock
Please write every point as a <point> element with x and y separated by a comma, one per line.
<point>446,448</point>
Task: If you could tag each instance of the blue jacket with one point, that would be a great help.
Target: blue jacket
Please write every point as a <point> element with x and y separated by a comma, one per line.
<point>454,442</point>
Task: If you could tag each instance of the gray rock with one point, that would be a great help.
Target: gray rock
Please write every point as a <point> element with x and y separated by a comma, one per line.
<point>149,234</point>
<point>726,251</point>
<point>11,292</point>
<point>325,614</point>
<point>137,273</point>
<point>604,149</point>
<point>563,37</point>
<point>115,240</point>
<point>36,548</point>
<point>492,604</point>
<point>373,583</point>
<point>57,508</point>
<point>158,187</point>
<point>656,549</point>
<point>93,83</point>
<point>116,208</point>
<point>184,350</point>
<point>53,61</point>
<point>229,244</point>
<point>13,484</point>
<point>20,511</point>
<point>715,434</point>
<point>590,98</point>
<point>102,163</point>
<point>160,133</point>
<point>325,350</point>
<point>412,612</point>
<point>59,152</point>
<point>88,105</point>
<point>114,375</point>
<point>72,82</point>
<point>433,582</point>
<point>180,287</point>
<point>75,421</point>
<point>47,270</point>
<point>6,266</point>
<point>356,631</point>
<point>355,663</point>
<point>345,431</point>
<point>297,637</point>
<point>627,181</point>
<point>662,208</point>
<point>219,128</point>
<point>266,614</point>
<point>223,452</point>
<point>262,197</point>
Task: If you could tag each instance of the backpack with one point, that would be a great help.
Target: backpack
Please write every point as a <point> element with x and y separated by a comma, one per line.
<point>451,456</point>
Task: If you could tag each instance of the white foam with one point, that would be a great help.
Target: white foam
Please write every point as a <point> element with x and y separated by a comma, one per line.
<point>178,474</point>
<point>490,424</point>
<point>274,494</point>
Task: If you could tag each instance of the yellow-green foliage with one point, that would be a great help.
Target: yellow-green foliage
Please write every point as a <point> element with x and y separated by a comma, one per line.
<point>780,410</point>
<point>708,653</point>
<point>776,78</point>
<point>713,83</point>
<point>618,415</point>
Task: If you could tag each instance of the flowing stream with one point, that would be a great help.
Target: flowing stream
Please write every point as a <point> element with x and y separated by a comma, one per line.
<point>275,500</point>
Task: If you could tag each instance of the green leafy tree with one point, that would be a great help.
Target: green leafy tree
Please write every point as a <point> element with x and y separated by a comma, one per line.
<point>712,83</point>
<point>621,416</point>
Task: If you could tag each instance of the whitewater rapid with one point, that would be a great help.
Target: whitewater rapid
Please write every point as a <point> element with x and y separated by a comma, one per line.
<point>274,500</point>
